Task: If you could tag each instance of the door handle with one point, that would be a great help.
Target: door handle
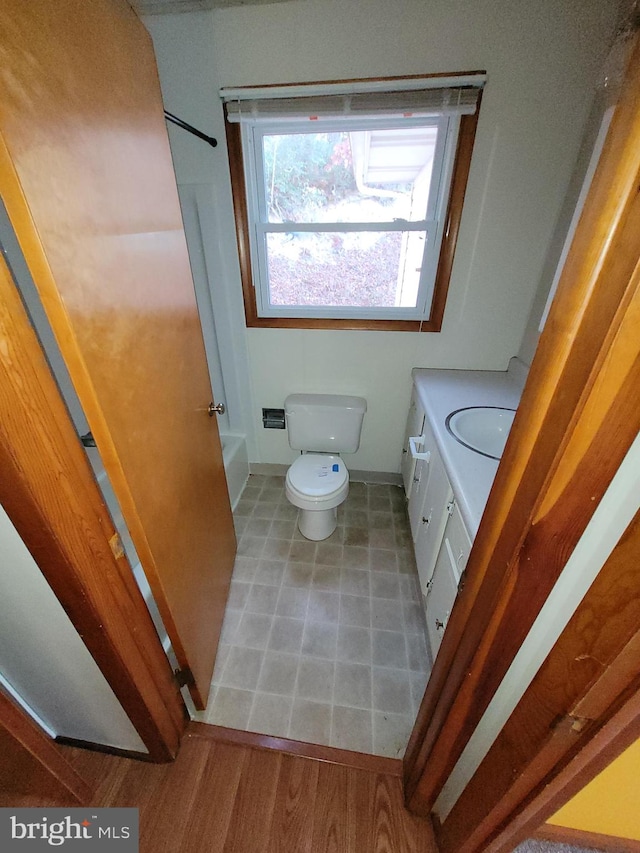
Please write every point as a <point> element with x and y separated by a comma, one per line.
<point>216,409</point>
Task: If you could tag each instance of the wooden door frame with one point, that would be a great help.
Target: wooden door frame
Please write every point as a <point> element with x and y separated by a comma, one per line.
<point>590,678</point>
<point>49,492</point>
<point>36,761</point>
<point>576,421</point>
<point>618,733</point>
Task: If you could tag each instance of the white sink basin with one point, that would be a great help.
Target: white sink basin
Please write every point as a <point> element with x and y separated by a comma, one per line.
<point>483,429</point>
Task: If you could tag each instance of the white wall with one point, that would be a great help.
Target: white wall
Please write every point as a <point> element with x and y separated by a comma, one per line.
<point>541,59</point>
<point>43,659</point>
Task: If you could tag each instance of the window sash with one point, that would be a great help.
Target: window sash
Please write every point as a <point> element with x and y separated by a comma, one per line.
<point>423,300</point>
<point>253,136</point>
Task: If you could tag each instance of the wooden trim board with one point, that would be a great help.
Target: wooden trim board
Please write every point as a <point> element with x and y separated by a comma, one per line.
<point>329,754</point>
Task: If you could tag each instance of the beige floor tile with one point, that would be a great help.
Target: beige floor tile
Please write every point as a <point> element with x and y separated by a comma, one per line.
<point>245,568</point>
<point>310,721</point>
<point>324,606</point>
<point>391,733</point>
<point>355,582</point>
<point>270,715</point>
<point>230,708</point>
<point>286,635</point>
<point>270,572</point>
<point>352,728</point>
<point>278,673</point>
<point>355,610</point>
<point>389,649</point>
<point>320,639</point>
<point>302,551</point>
<point>326,577</point>
<point>391,690</point>
<point>385,585</point>
<point>292,602</point>
<point>352,685</point>
<point>387,614</point>
<point>354,644</point>
<point>315,679</point>
<point>355,557</point>
<point>253,631</point>
<point>262,599</point>
<point>242,668</point>
<point>298,574</point>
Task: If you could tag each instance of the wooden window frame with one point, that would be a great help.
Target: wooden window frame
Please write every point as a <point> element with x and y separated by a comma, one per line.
<point>459,179</point>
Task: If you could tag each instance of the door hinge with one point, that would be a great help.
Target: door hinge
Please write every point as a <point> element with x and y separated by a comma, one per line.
<point>572,722</point>
<point>462,581</point>
<point>450,507</point>
<point>184,676</point>
<point>117,548</point>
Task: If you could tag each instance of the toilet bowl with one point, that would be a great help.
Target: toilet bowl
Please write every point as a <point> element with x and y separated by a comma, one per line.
<point>317,483</point>
<point>321,426</point>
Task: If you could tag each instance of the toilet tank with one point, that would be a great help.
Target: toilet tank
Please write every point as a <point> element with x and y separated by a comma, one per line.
<point>324,423</point>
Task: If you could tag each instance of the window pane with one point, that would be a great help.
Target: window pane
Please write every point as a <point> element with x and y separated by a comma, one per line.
<point>365,269</point>
<point>359,176</point>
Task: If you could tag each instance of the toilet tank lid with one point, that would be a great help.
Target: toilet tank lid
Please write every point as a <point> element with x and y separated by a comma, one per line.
<point>327,401</point>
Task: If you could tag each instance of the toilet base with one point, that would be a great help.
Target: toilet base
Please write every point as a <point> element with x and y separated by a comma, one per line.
<point>317,524</point>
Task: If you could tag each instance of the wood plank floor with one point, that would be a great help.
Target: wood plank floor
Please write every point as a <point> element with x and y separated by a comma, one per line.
<point>234,798</point>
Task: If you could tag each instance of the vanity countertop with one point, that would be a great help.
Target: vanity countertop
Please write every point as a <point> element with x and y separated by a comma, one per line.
<point>443,391</point>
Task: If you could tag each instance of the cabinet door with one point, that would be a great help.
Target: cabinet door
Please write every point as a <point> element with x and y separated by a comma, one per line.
<point>440,598</point>
<point>432,519</point>
<point>415,422</point>
<point>443,587</point>
<point>459,541</point>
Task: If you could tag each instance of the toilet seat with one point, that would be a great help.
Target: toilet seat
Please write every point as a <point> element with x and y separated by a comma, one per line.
<point>318,476</point>
<point>315,486</point>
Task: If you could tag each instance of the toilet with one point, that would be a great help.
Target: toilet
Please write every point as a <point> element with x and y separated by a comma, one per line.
<point>321,426</point>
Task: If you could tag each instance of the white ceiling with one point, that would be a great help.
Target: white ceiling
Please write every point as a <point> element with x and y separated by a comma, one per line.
<point>159,7</point>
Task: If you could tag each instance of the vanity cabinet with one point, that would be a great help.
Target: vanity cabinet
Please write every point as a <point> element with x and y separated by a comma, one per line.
<point>447,483</point>
<point>441,542</point>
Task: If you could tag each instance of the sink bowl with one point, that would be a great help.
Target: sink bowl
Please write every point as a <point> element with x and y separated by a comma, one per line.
<point>483,429</point>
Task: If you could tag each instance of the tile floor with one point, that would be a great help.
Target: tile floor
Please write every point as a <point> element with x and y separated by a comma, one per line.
<point>322,642</point>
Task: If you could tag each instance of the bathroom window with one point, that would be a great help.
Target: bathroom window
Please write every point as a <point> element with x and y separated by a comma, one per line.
<point>348,199</point>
